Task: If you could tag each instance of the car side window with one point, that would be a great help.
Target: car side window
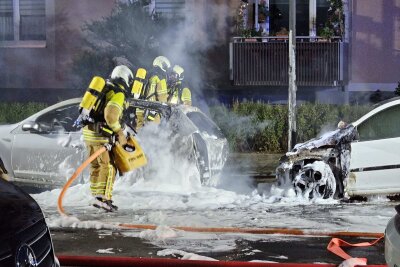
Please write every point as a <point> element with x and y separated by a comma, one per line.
<point>385,124</point>
<point>61,119</point>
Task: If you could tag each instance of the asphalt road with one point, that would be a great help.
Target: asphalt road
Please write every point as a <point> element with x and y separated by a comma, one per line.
<point>86,242</point>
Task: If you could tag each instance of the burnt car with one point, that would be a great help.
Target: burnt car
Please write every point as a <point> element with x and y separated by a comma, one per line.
<point>25,238</point>
<point>44,149</point>
<point>360,159</point>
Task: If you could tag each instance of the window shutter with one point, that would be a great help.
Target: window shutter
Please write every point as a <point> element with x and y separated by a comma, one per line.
<point>6,20</point>
<point>33,19</point>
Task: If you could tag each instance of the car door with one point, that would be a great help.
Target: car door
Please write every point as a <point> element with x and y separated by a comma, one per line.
<point>50,153</point>
<point>375,157</point>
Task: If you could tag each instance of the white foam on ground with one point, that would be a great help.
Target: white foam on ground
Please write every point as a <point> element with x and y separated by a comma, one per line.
<point>184,255</point>
<point>105,251</point>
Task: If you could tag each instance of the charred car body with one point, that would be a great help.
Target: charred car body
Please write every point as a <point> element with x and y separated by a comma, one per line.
<point>358,160</point>
<point>38,151</point>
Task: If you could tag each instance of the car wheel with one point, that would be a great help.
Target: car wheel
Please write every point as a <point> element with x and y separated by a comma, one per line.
<point>315,180</point>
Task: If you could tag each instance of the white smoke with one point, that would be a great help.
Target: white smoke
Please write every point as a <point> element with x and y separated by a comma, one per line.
<point>203,27</point>
<point>169,165</point>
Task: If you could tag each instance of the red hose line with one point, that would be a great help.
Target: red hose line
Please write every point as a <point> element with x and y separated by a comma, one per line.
<point>264,231</point>
<point>96,261</point>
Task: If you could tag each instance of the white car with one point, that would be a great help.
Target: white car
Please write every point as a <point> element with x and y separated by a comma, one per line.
<point>358,160</point>
<point>44,149</point>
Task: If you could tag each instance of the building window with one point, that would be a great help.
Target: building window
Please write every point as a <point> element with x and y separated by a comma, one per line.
<point>22,20</point>
<point>169,8</point>
<point>322,14</point>
<point>279,12</point>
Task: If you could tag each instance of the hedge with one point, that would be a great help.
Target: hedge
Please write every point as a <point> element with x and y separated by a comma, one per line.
<point>261,127</point>
<point>15,112</point>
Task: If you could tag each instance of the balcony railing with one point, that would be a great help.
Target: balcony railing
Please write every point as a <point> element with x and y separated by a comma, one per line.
<point>265,61</point>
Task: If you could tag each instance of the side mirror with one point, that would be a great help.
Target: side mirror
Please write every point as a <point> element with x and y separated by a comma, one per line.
<point>33,127</point>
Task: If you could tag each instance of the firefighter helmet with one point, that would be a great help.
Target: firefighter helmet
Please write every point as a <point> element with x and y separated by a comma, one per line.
<point>162,63</point>
<point>124,73</point>
<point>178,70</point>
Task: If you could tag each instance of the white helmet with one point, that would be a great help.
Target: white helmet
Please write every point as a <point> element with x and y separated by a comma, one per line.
<point>162,62</point>
<point>124,73</point>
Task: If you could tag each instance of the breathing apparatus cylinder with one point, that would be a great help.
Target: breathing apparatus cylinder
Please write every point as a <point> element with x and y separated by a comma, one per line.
<point>128,157</point>
<point>138,82</point>
<point>91,95</point>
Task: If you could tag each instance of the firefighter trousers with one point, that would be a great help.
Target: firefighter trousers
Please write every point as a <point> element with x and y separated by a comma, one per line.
<point>102,172</point>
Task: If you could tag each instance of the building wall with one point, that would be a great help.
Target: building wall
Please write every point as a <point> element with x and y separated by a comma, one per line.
<point>374,45</point>
<point>46,65</point>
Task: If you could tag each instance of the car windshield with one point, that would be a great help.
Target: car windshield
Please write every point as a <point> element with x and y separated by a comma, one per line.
<point>204,124</point>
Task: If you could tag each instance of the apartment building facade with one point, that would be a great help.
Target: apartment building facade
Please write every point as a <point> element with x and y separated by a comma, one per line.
<point>39,38</point>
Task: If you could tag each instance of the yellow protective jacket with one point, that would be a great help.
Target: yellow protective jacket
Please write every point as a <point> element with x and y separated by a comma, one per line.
<point>156,91</point>
<point>179,95</point>
<point>114,107</point>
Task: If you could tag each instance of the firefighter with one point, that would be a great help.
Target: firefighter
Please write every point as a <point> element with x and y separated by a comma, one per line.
<point>178,93</point>
<point>106,125</point>
<point>155,90</point>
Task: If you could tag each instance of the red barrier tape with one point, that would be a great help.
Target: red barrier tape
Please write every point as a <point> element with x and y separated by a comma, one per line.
<point>335,246</point>
<point>95,261</point>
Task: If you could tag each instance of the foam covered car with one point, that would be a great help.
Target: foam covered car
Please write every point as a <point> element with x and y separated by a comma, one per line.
<point>43,150</point>
<point>359,159</point>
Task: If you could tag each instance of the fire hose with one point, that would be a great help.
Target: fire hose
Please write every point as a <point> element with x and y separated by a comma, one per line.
<point>73,178</point>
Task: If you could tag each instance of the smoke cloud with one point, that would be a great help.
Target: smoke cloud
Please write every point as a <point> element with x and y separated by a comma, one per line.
<point>188,42</point>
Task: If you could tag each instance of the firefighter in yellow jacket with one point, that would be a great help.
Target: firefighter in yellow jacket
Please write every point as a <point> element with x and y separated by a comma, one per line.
<point>107,124</point>
<point>178,93</point>
<point>156,90</point>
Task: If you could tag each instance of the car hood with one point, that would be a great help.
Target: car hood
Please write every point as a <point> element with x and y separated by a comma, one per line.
<point>329,139</point>
<point>18,210</point>
<point>7,128</point>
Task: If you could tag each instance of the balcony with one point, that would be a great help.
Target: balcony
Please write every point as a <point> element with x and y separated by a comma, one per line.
<point>265,61</point>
